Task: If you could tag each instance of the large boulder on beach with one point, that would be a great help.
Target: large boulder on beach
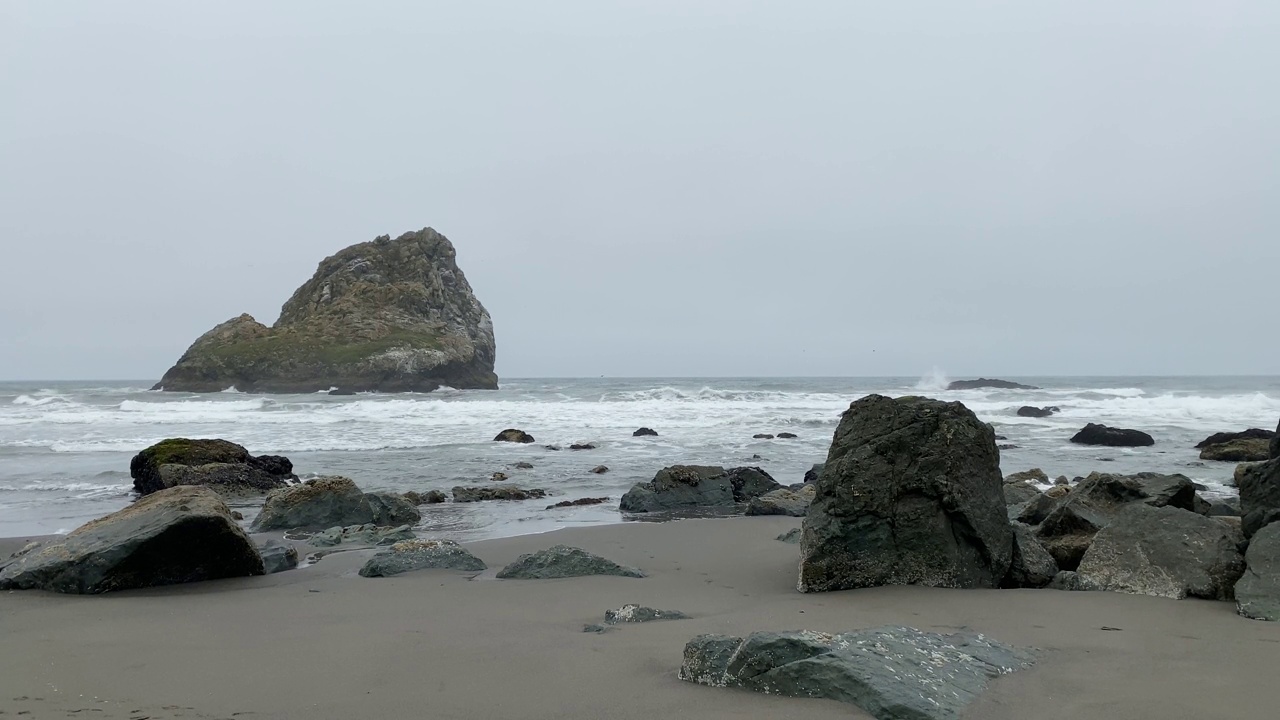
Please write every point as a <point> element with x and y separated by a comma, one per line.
<point>1165,552</point>
<point>409,555</point>
<point>783,501</point>
<point>892,673</point>
<point>178,535</point>
<point>387,315</point>
<point>221,465</point>
<point>1094,434</point>
<point>693,486</point>
<point>1067,528</point>
<point>328,501</point>
<point>1259,486</point>
<point>1242,450</point>
<point>1258,590</point>
<point>562,561</point>
<point>910,494</point>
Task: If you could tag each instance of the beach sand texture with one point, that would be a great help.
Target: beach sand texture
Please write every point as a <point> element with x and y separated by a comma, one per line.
<point>321,642</point>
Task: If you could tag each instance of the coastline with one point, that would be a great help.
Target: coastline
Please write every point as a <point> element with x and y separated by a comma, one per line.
<point>321,642</point>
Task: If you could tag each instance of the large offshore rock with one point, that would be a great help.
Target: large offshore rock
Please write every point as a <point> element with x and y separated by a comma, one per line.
<point>1259,486</point>
<point>219,464</point>
<point>562,561</point>
<point>1094,434</point>
<point>893,673</point>
<point>1068,528</point>
<point>387,315</point>
<point>1032,566</point>
<point>1166,552</point>
<point>985,383</point>
<point>910,493</point>
<point>409,555</point>
<point>1242,450</point>
<point>332,501</point>
<point>1258,590</point>
<point>179,535</point>
<point>783,501</point>
<point>1226,437</point>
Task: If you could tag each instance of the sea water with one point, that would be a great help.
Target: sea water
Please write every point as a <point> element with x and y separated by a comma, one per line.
<point>65,446</point>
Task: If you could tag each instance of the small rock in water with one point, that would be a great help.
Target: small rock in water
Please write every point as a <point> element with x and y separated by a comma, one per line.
<point>1035,475</point>
<point>500,492</point>
<point>562,561</point>
<point>498,476</point>
<point>1062,480</point>
<point>787,436</point>
<point>762,436</point>
<point>430,497</point>
<point>522,465</point>
<point>582,446</point>
<point>361,535</point>
<point>578,502</point>
<point>600,469</point>
<point>237,515</point>
<point>555,448</point>
<point>513,435</point>
<point>632,613</point>
<point>644,431</point>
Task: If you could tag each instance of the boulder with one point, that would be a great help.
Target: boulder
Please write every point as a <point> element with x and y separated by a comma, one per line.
<point>328,501</point>
<point>645,432</point>
<point>562,561</point>
<point>911,493</point>
<point>762,436</point>
<point>1224,507</point>
<point>783,501</point>
<point>786,436</point>
<point>1020,493</point>
<point>811,475</point>
<point>514,436</point>
<point>632,613</point>
<point>430,497</point>
<point>791,537</point>
<point>408,555</point>
<point>1036,412</point>
<point>892,673</point>
<point>1259,494</point>
<point>1035,475</point>
<point>1094,434</point>
<point>219,464</point>
<point>750,482</point>
<point>600,469</point>
<point>367,534</point>
<point>278,556</point>
<point>178,535</point>
<point>985,384</point>
<point>1165,552</point>
<point>680,486</point>
<point>1245,450</point>
<point>1032,566</point>
<point>1226,437</point>
<point>463,494</point>
<point>579,502</point>
<point>1258,590</point>
<point>387,315</point>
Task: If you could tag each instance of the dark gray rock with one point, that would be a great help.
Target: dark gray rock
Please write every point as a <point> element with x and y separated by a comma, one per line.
<point>430,497</point>
<point>1275,444</point>
<point>1165,552</point>
<point>463,494</point>
<point>783,501</point>
<point>1258,590</point>
<point>1094,434</point>
<point>219,464</point>
<point>1068,580</point>
<point>911,494</point>
<point>328,501</point>
<point>391,509</point>
<point>1259,494</point>
<point>367,534</point>
<point>1226,437</point>
<point>1020,493</point>
<point>811,475</point>
<point>513,435</point>
<point>1243,450</point>
<point>645,432</point>
<point>791,537</point>
<point>1035,475</point>
<point>1032,566</point>
<point>579,502</point>
<point>278,556</point>
<point>582,446</point>
<point>600,469</point>
<point>750,482</point>
<point>893,673</point>
<point>786,436</point>
<point>1224,507</point>
<point>562,561</point>
<point>762,436</point>
<point>231,480</point>
<point>1036,412</point>
<point>409,555</point>
<point>632,613</point>
<point>985,383</point>
<point>680,486</point>
<point>177,535</point>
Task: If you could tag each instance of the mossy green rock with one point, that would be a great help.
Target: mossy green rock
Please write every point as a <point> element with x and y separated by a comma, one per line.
<point>219,464</point>
<point>387,315</point>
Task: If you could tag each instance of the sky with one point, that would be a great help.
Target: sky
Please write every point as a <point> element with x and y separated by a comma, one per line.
<point>654,187</point>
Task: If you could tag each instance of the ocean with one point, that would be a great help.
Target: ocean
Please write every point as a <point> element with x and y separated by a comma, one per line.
<point>65,446</point>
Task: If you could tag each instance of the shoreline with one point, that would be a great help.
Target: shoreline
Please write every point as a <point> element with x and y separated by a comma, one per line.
<point>321,642</point>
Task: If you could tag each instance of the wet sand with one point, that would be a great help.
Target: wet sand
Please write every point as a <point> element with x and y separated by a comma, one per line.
<point>321,642</point>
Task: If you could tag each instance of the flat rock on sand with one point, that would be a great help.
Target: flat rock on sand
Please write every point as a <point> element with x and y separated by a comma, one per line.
<point>410,555</point>
<point>562,561</point>
<point>632,613</point>
<point>894,673</point>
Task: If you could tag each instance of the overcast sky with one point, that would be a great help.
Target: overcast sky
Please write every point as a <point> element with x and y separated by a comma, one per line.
<point>654,187</point>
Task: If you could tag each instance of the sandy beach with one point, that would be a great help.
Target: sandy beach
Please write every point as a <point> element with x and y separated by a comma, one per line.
<point>321,642</point>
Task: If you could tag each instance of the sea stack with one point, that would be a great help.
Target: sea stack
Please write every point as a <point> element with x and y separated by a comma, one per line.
<point>387,315</point>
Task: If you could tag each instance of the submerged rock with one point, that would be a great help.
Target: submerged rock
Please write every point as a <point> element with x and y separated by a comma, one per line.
<point>218,464</point>
<point>645,432</point>
<point>1243,450</point>
<point>911,494</point>
<point>893,673</point>
<point>514,436</point>
<point>430,497</point>
<point>387,315</point>
<point>463,494</point>
<point>582,446</point>
<point>562,561</point>
<point>632,613</point>
<point>579,502</point>
<point>1094,434</point>
<point>600,469</point>
<point>328,501</point>
<point>409,555</point>
<point>783,501</point>
<point>178,535</point>
<point>1166,552</point>
<point>278,557</point>
<point>1258,591</point>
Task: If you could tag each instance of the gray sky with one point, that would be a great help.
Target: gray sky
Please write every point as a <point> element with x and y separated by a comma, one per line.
<point>654,187</point>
